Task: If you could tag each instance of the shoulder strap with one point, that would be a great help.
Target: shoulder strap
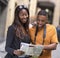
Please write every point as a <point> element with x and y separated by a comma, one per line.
<point>44,34</point>
<point>35,34</point>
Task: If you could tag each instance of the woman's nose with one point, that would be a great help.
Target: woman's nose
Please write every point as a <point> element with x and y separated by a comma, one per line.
<point>24,16</point>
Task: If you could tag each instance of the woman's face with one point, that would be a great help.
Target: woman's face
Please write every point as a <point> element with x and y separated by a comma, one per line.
<point>23,15</point>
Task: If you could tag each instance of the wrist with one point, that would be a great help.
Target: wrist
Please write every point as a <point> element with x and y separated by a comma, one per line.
<point>14,52</point>
<point>45,47</point>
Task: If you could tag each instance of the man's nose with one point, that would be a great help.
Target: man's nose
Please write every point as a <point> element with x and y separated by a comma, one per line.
<point>40,22</point>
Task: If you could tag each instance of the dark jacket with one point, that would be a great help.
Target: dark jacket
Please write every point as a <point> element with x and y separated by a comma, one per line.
<point>13,42</point>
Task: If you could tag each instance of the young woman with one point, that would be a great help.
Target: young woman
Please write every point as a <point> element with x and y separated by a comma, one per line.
<point>18,32</point>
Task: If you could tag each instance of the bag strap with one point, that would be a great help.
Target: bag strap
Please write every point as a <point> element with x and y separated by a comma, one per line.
<point>35,34</point>
<point>44,34</point>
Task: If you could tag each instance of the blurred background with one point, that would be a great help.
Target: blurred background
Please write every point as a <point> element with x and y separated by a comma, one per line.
<point>7,7</point>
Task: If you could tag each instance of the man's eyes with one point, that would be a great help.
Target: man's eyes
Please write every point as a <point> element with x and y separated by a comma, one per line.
<point>41,20</point>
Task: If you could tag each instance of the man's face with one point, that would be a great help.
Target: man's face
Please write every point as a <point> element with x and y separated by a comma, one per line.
<point>41,20</point>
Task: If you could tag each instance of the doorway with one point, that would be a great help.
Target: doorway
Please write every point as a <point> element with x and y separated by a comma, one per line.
<point>48,7</point>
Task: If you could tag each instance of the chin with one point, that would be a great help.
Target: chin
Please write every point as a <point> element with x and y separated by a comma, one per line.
<point>24,22</point>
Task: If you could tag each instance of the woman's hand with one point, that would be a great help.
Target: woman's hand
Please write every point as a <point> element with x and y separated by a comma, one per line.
<point>18,52</point>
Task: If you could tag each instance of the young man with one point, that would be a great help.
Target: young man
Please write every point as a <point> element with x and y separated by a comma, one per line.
<point>44,34</point>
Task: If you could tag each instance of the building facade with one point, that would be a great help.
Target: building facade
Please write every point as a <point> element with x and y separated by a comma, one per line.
<point>51,6</point>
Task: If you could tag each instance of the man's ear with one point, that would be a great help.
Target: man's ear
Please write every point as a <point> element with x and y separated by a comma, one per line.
<point>47,21</point>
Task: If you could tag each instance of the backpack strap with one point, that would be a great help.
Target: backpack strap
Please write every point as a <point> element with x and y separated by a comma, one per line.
<point>44,34</point>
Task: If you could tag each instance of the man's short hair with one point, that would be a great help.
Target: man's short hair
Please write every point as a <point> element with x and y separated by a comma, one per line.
<point>42,12</point>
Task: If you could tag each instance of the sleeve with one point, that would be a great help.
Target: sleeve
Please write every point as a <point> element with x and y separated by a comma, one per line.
<point>54,38</point>
<point>9,40</point>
